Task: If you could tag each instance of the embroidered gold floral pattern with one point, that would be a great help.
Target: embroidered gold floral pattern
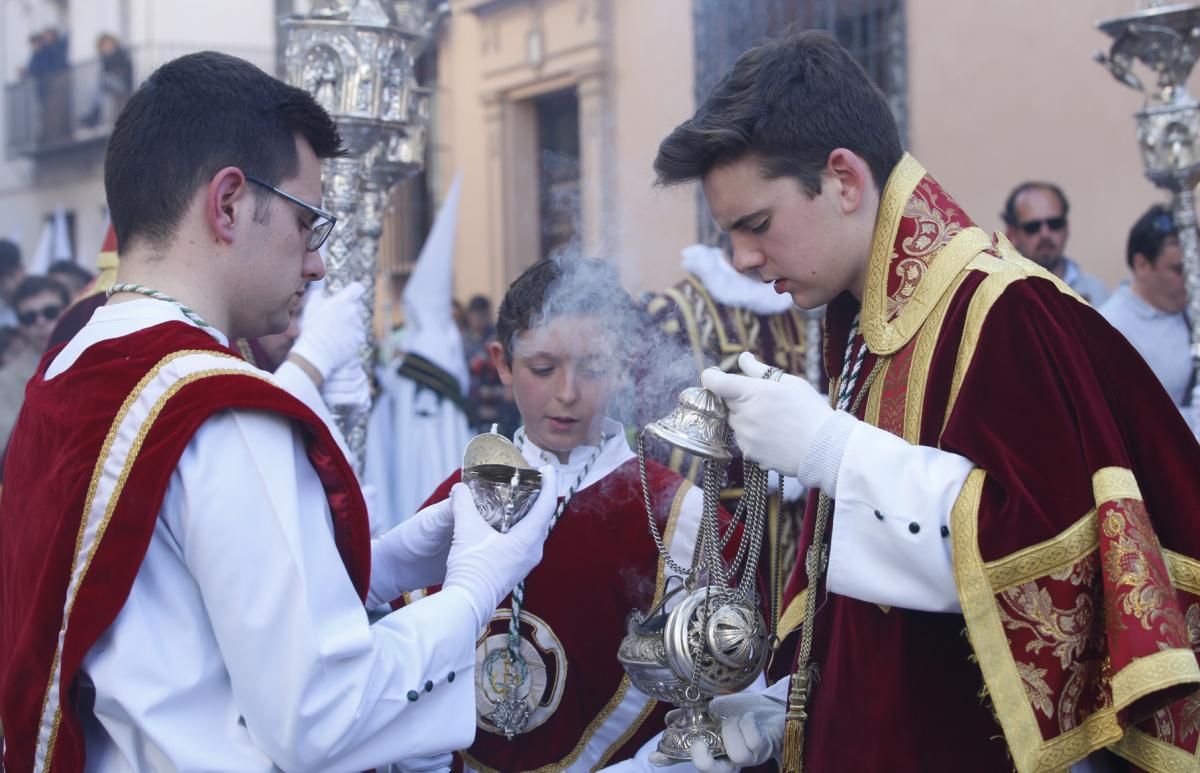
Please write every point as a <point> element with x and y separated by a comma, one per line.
<point>935,225</point>
<point>1134,567</point>
<point>933,220</point>
<point>1068,635</point>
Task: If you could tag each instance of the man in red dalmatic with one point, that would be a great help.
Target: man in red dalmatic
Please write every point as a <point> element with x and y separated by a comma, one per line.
<point>184,549</point>
<point>1000,568</point>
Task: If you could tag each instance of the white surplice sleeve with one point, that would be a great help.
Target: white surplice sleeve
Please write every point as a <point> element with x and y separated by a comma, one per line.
<point>317,687</point>
<point>890,533</point>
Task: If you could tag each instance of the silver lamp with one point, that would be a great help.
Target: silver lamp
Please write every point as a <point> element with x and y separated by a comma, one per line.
<point>356,57</point>
<point>1166,39</point>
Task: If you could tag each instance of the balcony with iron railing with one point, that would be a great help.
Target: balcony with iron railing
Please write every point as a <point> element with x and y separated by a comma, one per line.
<point>73,108</point>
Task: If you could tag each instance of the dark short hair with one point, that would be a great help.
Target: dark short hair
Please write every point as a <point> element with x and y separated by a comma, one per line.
<point>72,269</point>
<point>193,116</point>
<point>1149,234</point>
<point>565,287</point>
<point>479,303</point>
<point>10,257</point>
<point>790,102</point>
<point>32,286</point>
<point>1010,204</point>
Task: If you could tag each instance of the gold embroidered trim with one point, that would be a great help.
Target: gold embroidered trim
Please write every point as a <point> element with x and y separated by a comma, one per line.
<point>1071,545</point>
<point>1112,483</point>
<point>1154,672</point>
<point>1096,732</point>
<point>1147,752</point>
<point>922,361</point>
<point>110,508</point>
<point>1001,273</point>
<point>793,616</point>
<point>689,322</point>
<point>896,192</point>
<point>986,631</point>
<point>984,298</point>
<point>875,395</point>
<point>885,337</point>
<point>1184,571</point>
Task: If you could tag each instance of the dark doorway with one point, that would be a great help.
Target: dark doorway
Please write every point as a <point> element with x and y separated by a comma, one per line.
<point>559,182</point>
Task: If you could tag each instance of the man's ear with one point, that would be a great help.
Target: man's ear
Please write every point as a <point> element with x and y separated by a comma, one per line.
<point>1141,263</point>
<point>853,177</point>
<point>496,352</point>
<point>225,202</point>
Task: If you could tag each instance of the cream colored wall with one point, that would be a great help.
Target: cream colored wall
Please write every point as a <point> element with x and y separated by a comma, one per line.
<point>1001,92</point>
<point>631,62</point>
<point>652,80</point>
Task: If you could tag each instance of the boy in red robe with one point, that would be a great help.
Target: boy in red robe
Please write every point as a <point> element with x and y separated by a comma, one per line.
<point>565,335</point>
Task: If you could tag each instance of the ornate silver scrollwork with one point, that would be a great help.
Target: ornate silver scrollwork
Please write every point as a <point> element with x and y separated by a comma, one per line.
<point>356,57</point>
<point>1166,39</point>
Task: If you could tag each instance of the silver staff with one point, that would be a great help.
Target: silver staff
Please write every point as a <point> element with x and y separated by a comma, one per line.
<point>356,57</point>
<point>1166,38</point>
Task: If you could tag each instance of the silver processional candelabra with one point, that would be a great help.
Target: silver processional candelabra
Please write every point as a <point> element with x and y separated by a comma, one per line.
<point>1166,39</point>
<point>356,57</point>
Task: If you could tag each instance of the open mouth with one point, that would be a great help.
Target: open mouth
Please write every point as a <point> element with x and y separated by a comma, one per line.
<point>563,423</point>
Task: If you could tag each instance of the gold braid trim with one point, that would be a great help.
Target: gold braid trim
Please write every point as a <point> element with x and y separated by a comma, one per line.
<point>1078,540</point>
<point>111,506</point>
<point>979,583</point>
<point>1184,571</point>
<point>1149,753</point>
<point>1152,673</point>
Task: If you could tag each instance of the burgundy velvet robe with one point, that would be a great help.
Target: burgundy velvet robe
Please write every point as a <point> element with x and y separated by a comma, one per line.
<point>62,438</point>
<point>1074,541</point>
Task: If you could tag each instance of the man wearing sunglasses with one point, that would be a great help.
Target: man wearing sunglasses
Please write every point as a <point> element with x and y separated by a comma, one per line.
<point>184,550</point>
<point>37,301</point>
<point>1035,215</point>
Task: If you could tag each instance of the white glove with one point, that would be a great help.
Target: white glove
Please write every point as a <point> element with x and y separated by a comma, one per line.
<point>785,425</point>
<point>348,387</point>
<point>751,728</point>
<point>487,564</point>
<point>332,328</point>
<point>413,554</point>
<point>434,762</point>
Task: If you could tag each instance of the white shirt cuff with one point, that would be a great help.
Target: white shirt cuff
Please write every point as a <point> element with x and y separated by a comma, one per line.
<point>890,543</point>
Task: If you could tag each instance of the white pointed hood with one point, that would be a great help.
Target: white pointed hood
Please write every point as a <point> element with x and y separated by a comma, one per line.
<point>428,308</point>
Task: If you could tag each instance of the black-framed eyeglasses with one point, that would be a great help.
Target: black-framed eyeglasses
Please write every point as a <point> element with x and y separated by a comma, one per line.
<point>29,317</point>
<point>1053,223</point>
<point>322,224</point>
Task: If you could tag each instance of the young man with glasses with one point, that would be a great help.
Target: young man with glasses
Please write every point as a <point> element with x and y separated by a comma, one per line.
<point>184,551</point>
<point>1035,217</point>
<point>997,568</point>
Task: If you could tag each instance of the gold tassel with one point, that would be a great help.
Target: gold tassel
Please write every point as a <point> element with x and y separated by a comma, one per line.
<point>793,745</point>
<point>793,727</point>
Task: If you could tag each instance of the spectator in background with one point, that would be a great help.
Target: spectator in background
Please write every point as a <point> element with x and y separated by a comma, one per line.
<point>116,82</point>
<point>70,275</point>
<point>12,271</point>
<point>479,328</point>
<point>38,301</point>
<point>1035,214</point>
<point>1149,308</point>
<point>49,68</point>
